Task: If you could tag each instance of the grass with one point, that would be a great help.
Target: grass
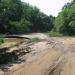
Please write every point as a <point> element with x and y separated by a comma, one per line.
<point>8,40</point>
<point>5,41</point>
<point>35,40</point>
<point>55,34</point>
<point>1,41</point>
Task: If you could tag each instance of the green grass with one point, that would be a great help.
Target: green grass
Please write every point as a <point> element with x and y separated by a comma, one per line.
<point>1,41</point>
<point>34,40</point>
<point>9,40</point>
<point>55,34</point>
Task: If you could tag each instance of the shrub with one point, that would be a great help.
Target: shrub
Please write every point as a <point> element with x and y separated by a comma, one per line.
<point>55,34</point>
<point>1,41</point>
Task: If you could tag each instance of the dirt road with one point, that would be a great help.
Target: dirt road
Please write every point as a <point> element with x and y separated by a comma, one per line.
<point>40,66</point>
<point>54,56</point>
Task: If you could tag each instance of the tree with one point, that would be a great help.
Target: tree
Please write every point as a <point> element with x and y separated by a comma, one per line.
<point>9,9</point>
<point>64,22</point>
<point>19,17</point>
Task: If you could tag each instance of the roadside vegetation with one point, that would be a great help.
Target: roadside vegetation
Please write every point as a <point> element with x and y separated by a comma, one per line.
<point>35,40</point>
<point>65,21</point>
<point>55,34</point>
<point>1,41</point>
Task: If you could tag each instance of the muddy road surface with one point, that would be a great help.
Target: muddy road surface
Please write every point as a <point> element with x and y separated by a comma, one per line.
<point>49,56</point>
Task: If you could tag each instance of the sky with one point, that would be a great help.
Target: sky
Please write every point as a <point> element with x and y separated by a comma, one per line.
<point>49,7</point>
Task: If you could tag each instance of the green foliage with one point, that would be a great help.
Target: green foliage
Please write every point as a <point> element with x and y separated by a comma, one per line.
<point>1,41</point>
<point>41,22</point>
<point>65,21</point>
<point>54,34</point>
<point>10,11</point>
<point>20,27</point>
<point>34,40</point>
<point>19,17</point>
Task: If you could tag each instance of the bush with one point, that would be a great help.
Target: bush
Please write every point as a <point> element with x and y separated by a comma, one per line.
<point>1,40</point>
<point>55,34</point>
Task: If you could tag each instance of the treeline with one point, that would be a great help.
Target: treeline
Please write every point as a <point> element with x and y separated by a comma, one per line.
<point>65,21</point>
<point>17,17</point>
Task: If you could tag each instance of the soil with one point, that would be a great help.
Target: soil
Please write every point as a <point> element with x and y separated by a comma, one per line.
<point>50,56</point>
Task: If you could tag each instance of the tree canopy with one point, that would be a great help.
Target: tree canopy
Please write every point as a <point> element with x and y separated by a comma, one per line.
<point>18,17</point>
<point>65,21</point>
